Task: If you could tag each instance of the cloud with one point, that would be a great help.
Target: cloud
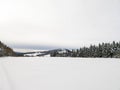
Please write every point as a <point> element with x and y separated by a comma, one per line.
<point>59,22</point>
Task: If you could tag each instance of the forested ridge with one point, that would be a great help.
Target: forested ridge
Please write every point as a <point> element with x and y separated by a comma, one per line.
<point>104,50</point>
<point>5,50</point>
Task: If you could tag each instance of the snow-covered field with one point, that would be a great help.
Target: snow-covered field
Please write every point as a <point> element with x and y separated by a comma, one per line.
<point>47,73</point>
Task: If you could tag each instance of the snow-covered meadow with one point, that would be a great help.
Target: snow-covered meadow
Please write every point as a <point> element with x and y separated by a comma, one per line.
<point>53,73</point>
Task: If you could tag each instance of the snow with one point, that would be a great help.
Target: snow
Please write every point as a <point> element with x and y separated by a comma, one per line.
<point>55,73</point>
<point>33,54</point>
<point>62,51</point>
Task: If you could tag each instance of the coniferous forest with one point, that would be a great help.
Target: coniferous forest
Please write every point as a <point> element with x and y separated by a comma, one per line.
<point>104,50</point>
<point>5,50</point>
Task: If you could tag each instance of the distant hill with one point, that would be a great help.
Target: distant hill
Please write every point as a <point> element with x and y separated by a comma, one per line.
<point>45,53</point>
<point>103,50</point>
<point>5,50</point>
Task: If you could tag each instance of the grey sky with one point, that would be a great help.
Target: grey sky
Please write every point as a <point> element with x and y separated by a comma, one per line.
<point>72,23</point>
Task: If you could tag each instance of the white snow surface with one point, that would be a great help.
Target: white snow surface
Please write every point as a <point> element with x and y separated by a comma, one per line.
<point>54,73</point>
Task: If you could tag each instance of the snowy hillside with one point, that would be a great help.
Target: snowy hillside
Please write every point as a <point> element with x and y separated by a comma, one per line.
<point>43,53</point>
<point>53,73</point>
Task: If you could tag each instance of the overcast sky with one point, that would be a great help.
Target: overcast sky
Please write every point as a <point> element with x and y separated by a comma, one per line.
<point>69,23</point>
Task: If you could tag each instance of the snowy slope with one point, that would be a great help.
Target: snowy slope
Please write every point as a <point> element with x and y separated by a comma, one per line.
<point>48,73</point>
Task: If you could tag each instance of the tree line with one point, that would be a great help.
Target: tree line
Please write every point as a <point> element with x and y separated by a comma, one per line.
<point>5,50</point>
<point>104,50</point>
